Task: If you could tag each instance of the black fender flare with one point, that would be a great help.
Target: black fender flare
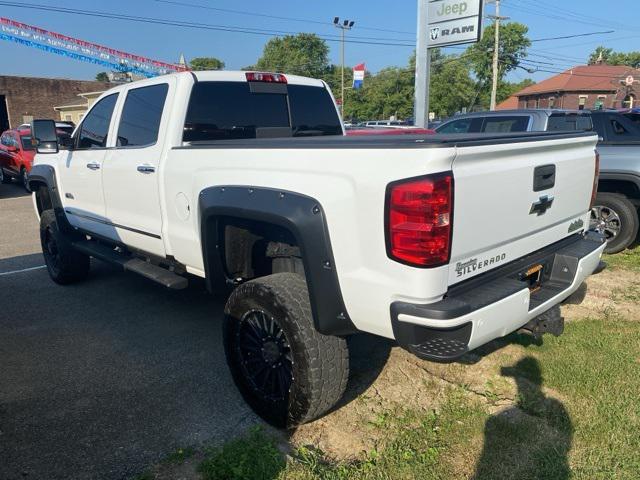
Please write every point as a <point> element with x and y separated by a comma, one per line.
<point>45,175</point>
<point>304,218</point>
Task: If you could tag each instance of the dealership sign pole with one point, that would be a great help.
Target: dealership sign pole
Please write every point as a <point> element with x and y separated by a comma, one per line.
<point>441,23</point>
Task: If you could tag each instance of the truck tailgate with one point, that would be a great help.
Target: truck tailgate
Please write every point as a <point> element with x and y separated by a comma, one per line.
<point>515,198</point>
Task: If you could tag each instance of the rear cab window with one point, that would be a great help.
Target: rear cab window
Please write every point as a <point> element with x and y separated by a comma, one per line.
<point>463,125</point>
<point>238,110</point>
<point>506,124</point>
<point>569,122</point>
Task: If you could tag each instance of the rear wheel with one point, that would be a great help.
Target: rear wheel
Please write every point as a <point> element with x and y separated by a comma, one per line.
<point>286,371</point>
<point>617,218</point>
<point>65,264</point>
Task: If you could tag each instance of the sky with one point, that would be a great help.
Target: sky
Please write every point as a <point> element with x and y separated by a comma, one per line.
<point>378,21</point>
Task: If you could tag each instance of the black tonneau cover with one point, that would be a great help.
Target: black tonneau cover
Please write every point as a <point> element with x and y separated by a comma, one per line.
<point>387,141</point>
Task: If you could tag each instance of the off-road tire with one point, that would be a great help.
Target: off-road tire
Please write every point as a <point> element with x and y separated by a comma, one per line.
<point>64,264</point>
<point>319,363</point>
<point>628,220</point>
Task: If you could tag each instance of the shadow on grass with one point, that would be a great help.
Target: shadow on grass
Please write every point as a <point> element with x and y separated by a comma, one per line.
<point>530,440</point>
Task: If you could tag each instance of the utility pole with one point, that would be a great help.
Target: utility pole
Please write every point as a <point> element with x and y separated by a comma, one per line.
<point>344,26</point>
<point>496,55</point>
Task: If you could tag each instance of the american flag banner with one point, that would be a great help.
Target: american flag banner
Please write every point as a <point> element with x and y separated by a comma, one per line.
<point>358,76</point>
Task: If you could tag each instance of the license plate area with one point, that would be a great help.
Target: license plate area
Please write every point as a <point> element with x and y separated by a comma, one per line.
<point>533,277</point>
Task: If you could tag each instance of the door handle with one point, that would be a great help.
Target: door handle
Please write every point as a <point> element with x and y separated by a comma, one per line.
<point>145,168</point>
<point>93,166</point>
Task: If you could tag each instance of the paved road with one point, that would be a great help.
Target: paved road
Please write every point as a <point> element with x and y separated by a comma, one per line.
<point>102,379</point>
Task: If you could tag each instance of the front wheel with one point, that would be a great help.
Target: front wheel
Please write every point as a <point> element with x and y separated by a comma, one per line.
<point>617,218</point>
<point>65,264</point>
<point>286,371</point>
<point>3,177</point>
<point>24,178</point>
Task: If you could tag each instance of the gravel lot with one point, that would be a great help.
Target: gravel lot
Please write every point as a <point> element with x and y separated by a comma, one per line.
<point>101,379</point>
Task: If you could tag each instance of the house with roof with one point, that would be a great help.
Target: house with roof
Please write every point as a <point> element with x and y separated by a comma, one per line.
<point>591,87</point>
<point>73,109</point>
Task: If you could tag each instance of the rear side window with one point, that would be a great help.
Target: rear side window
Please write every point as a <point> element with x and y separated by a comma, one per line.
<point>505,124</point>
<point>230,110</point>
<point>566,122</point>
<point>457,126</point>
<point>95,127</point>
<point>141,115</point>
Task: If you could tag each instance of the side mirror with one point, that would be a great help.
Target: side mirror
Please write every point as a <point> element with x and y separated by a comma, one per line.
<point>43,133</point>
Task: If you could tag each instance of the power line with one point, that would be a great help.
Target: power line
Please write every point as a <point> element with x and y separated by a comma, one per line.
<point>566,14</point>
<point>572,36</point>
<point>193,25</point>
<point>276,17</point>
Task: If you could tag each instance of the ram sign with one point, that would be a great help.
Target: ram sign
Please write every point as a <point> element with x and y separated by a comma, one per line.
<point>452,22</point>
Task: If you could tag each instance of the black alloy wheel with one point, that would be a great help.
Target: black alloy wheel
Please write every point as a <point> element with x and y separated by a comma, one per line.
<point>265,356</point>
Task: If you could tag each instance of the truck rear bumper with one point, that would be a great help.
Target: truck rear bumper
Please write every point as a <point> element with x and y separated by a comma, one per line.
<point>496,303</point>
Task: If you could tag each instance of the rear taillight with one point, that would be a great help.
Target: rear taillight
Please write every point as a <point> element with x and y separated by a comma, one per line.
<point>265,77</point>
<point>419,218</point>
<point>596,176</point>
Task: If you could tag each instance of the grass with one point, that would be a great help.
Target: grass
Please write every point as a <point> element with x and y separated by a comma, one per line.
<point>628,259</point>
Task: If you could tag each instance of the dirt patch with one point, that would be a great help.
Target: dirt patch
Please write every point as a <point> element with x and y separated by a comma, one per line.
<point>612,292</point>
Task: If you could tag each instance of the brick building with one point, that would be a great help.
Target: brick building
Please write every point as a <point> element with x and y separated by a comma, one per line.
<point>589,87</point>
<point>25,98</point>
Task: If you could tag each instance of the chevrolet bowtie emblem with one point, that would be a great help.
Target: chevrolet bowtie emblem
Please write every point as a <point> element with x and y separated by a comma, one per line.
<point>542,205</point>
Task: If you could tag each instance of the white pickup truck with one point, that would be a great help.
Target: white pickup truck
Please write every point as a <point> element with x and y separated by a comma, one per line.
<point>246,179</point>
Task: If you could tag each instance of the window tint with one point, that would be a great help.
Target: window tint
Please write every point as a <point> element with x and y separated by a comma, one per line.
<point>229,110</point>
<point>141,115</point>
<point>560,121</point>
<point>312,111</point>
<point>618,128</point>
<point>505,124</point>
<point>26,142</point>
<point>95,127</point>
<point>458,126</point>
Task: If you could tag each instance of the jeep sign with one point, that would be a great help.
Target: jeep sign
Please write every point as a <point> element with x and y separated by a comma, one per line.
<point>452,22</point>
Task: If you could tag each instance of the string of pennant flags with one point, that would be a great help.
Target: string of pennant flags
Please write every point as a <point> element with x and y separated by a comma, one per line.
<point>70,47</point>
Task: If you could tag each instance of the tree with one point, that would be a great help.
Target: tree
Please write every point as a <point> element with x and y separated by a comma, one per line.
<point>511,51</point>
<point>102,77</point>
<point>206,63</point>
<point>610,57</point>
<point>301,54</point>
<point>452,87</point>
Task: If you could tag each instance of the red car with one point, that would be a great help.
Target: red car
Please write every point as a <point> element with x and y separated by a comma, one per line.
<point>16,155</point>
